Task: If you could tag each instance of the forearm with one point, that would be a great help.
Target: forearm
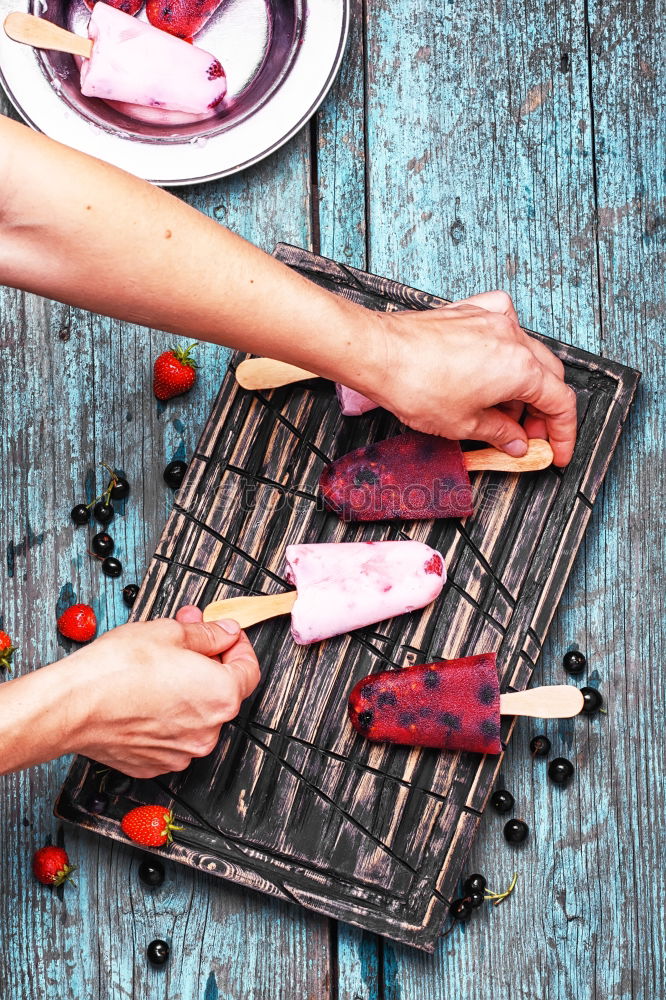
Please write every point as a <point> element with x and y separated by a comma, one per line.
<point>38,717</point>
<point>75,229</point>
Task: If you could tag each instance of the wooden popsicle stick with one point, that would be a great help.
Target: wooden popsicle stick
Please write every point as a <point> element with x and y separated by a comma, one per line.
<point>43,34</point>
<point>264,373</point>
<point>559,701</point>
<point>251,610</point>
<point>539,456</point>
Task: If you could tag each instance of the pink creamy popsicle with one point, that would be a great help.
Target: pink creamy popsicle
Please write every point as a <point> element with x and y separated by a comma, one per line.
<point>136,63</point>
<point>353,403</point>
<point>345,586</point>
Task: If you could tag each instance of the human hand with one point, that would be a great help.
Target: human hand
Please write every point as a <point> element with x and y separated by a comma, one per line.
<point>150,696</point>
<point>468,370</point>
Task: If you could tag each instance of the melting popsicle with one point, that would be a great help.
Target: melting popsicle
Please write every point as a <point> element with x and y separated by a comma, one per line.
<point>343,586</point>
<point>450,705</point>
<point>415,476</point>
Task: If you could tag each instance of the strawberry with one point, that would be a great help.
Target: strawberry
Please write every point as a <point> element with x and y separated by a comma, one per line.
<point>174,373</point>
<point>78,623</point>
<point>149,825</point>
<point>50,866</point>
<point>7,650</point>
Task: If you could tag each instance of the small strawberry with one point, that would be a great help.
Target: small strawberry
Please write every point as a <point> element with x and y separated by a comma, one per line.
<point>78,623</point>
<point>7,650</point>
<point>174,373</point>
<point>50,866</point>
<point>149,825</point>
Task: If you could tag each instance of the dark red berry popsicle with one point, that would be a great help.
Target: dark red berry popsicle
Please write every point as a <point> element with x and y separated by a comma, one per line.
<point>181,17</point>
<point>451,705</point>
<point>413,476</point>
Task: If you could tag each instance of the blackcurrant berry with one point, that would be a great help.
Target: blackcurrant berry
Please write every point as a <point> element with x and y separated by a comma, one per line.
<point>539,746</point>
<point>461,909</point>
<point>476,899</point>
<point>158,952</point>
<point>474,883</point>
<point>560,770</point>
<point>103,512</point>
<point>592,700</point>
<point>80,514</point>
<point>502,801</point>
<point>97,802</point>
<point>574,662</point>
<point>151,872</point>
<point>515,831</point>
<point>121,488</point>
<point>175,473</point>
<point>116,783</point>
<point>102,544</point>
<point>129,594</point>
<point>112,567</point>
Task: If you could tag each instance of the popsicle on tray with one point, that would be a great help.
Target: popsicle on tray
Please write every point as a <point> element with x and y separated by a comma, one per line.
<point>264,373</point>
<point>415,476</point>
<point>344,586</point>
<point>450,705</point>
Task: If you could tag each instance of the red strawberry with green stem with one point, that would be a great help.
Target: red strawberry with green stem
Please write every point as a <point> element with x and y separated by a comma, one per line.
<point>78,623</point>
<point>7,650</point>
<point>150,826</point>
<point>50,866</point>
<point>174,372</point>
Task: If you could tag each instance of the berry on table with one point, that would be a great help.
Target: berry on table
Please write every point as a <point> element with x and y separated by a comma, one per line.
<point>474,883</point>
<point>539,746</point>
<point>151,872</point>
<point>151,826</point>
<point>102,544</point>
<point>158,952</point>
<point>574,662</point>
<point>7,650</point>
<point>502,801</point>
<point>175,473</point>
<point>80,514</point>
<point>78,623</point>
<point>476,899</point>
<point>112,567</point>
<point>560,770</point>
<point>516,831</point>
<point>50,866</point>
<point>461,909</point>
<point>130,594</point>
<point>174,372</point>
<point>119,487</point>
<point>103,512</point>
<point>592,700</point>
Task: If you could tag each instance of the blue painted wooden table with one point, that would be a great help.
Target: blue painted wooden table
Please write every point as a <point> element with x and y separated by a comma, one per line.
<point>464,147</point>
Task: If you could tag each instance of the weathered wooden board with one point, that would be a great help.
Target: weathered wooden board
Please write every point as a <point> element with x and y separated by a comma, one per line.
<point>292,802</point>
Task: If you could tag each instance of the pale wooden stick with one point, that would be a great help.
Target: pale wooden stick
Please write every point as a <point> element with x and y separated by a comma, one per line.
<point>264,373</point>
<point>539,456</point>
<point>43,34</point>
<point>251,610</point>
<point>559,701</point>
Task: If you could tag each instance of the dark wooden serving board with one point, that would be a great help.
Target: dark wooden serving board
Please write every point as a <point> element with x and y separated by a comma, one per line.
<point>292,802</point>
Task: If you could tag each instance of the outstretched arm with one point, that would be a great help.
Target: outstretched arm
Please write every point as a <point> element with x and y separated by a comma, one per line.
<point>78,230</point>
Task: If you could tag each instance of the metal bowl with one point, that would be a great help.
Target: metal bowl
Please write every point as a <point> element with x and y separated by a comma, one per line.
<point>280,57</point>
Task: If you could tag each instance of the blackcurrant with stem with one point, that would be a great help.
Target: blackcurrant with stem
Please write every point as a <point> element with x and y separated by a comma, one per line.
<point>130,594</point>
<point>80,514</point>
<point>516,831</point>
<point>102,544</point>
<point>120,488</point>
<point>158,952</point>
<point>476,899</point>
<point>539,746</point>
<point>461,909</point>
<point>502,801</point>
<point>175,473</point>
<point>474,883</point>
<point>560,770</point>
<point>103,512</point>
<point>112,567</point>
<point>151,872</point>
<point>592,700</point>
<point>574,662</point>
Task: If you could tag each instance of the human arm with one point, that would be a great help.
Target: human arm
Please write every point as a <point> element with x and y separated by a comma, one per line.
<point>78,230</point>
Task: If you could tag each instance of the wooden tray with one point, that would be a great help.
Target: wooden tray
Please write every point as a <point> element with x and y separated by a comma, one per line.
<point>292,802</point>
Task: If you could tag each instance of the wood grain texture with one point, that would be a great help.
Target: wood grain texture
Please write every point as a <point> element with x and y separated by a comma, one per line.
<point>292,801</point>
